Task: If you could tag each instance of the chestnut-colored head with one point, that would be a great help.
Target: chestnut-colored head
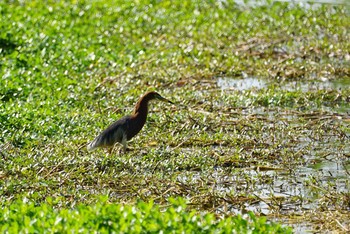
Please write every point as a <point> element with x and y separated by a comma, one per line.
<point>154,95</point>
<point>141,105</point>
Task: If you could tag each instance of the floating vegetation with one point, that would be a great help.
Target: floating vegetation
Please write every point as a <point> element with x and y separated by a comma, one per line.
<point>262,121</point>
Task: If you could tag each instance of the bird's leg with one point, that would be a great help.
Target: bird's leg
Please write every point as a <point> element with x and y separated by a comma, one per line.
<point>124,143</point>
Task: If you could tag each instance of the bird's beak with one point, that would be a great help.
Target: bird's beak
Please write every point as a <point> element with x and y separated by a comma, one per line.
<point>165,100</point>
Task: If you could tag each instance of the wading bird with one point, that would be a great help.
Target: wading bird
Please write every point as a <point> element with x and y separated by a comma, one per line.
<point>127,127</point>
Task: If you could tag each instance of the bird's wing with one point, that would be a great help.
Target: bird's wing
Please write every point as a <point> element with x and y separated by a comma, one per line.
<point>111,135</point>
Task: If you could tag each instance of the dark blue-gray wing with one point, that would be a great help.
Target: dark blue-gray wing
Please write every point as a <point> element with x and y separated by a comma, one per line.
<point>113,134</point>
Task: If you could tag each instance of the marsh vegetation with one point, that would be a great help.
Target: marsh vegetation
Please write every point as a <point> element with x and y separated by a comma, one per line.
<point>262,121</point>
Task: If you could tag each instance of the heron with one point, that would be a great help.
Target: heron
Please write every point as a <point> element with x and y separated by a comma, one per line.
<point>128,126</point>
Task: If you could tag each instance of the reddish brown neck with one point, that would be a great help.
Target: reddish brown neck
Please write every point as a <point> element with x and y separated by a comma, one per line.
<point>141,107</point>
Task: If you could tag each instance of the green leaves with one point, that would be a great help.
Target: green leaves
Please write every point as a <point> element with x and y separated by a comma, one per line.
<point>70,68</point>
<point>103,217</point>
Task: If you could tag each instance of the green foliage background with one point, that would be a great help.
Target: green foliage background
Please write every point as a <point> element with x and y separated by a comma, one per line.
<point>69,68</point>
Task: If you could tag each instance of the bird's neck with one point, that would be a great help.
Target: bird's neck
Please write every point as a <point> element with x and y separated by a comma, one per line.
<point>141,108</point>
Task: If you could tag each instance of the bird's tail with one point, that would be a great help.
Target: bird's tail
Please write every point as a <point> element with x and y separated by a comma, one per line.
<point>92,145</point>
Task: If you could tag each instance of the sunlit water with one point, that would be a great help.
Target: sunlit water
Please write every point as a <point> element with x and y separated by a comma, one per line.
<point>329,169</point>
<point>306,2</point>
<point>241,84</point>
<point>251,83</point>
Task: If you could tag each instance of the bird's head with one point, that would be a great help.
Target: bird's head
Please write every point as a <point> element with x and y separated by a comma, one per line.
<point>155,95</point>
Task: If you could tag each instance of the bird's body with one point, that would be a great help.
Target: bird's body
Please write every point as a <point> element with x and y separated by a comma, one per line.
<point>127,127</point>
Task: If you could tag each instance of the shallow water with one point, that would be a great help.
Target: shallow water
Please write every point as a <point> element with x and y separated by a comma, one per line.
<point>324,163</point>
<point>253,83</point>
<point>241,84</point>
<point>307,2</point>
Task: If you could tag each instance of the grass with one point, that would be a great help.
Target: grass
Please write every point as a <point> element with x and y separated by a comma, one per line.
<point>69,69</point>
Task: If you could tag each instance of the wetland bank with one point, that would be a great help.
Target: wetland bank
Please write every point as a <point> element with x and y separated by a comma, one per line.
<point>262,122</point>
